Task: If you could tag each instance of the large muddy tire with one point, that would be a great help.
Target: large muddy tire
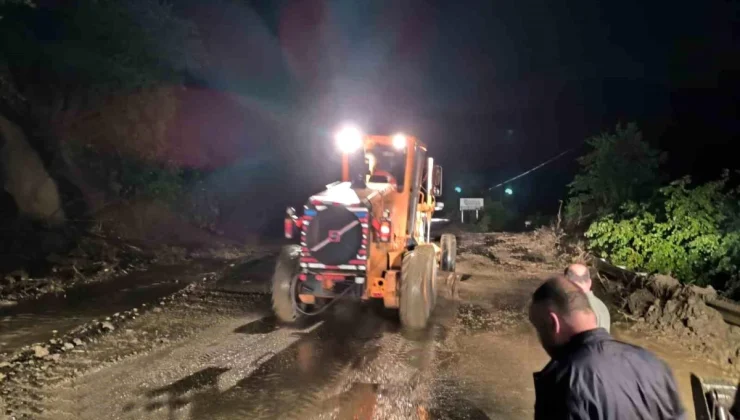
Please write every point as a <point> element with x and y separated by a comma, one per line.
<point>417,292</point>
<point>448,243</point>
<point>284,295</point>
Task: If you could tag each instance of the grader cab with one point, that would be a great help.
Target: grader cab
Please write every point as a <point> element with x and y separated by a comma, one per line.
<point>368,235</point>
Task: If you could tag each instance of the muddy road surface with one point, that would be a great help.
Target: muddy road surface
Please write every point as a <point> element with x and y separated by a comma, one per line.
<point>216,352</point>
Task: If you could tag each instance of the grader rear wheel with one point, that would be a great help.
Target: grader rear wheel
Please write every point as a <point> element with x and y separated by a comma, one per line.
<point>417,289</point>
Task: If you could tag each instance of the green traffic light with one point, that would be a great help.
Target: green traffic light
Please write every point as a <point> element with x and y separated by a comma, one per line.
<point>509,191</point>
<point>458,190</point>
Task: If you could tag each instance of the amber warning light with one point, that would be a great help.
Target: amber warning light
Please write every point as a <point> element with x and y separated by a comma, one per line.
<point>383,228</point>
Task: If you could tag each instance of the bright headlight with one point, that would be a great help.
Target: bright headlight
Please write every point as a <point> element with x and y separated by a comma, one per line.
<point>399,141</point>
<point>349,139</point>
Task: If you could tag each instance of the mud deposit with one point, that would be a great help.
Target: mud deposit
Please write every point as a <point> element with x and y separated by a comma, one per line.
<point>213,350</point>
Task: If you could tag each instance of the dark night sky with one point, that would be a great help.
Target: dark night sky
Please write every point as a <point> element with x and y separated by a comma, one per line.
<point>460,75</point>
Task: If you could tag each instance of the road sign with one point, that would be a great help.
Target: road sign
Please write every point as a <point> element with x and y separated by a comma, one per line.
<point>471,204</point>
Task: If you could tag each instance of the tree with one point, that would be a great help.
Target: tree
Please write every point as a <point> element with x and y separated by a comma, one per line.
<point>66,59</point>
<point>620,167</point>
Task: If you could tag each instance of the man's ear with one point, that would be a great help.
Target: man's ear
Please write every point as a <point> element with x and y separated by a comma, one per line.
<point>554,321</point>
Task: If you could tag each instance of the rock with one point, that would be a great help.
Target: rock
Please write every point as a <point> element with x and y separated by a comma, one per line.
<point>55,357</point>
<point>157,310</point>
<point>68,346</point>
<point>26,179</point>
<point>639,301</point>
<point>663,286</point>
<point>129,331</point>
<point>107,326</point>
<point>77,342</point>
<point>704,293</point>
<point>17,275</point>
<point>2,377</point>
<point>4,303</point>
<point>654,313</point>
<point>40,351</point>
<point>4,364</point>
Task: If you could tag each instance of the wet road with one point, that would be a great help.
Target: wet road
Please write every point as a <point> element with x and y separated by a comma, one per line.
<point>218,353</point>
<point>34,321</point>
<point>354,363</point>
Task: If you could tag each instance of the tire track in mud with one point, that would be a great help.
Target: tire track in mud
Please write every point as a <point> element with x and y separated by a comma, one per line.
<point>391,376</point>
<point>352,363</point>
<point>293,382</point>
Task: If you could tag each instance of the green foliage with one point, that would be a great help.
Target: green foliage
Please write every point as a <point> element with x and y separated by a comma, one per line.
<point>690,233</point>
<point>620,167</point>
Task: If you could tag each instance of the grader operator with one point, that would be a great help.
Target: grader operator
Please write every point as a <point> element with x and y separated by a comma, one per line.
<point>367,236</point>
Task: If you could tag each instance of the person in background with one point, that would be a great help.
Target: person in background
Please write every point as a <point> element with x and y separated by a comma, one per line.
<point>590,374</point>
<point>579,274</point>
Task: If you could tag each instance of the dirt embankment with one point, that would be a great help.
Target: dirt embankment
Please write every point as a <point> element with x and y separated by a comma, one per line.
<point>663,308</point>
<point>667,318</point>
<point>94,258</point>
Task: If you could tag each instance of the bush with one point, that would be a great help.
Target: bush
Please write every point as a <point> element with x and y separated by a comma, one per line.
<point>689,233</point>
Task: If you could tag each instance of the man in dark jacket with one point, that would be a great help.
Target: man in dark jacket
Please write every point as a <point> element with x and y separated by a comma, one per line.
<point>591,375</point>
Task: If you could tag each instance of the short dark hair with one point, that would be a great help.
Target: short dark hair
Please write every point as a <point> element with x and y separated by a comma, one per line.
<point>561,295</point>
<point>583,278</point>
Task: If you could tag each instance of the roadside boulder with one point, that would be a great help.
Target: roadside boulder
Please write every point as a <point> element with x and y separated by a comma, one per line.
<point>25,178</point>
<point>40,351</point>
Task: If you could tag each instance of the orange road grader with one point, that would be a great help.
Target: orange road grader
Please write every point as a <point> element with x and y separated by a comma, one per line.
<point>367,236</point>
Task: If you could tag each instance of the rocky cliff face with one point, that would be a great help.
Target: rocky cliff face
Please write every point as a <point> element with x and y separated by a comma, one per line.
<point>24,177</point>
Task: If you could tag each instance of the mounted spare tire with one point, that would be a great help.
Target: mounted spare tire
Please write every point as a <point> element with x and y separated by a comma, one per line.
<point>448,243</point>
<point>417,289</point>
<point>284,293</point>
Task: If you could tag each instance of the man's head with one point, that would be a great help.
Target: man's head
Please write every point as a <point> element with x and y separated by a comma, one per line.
<point>579,274</point>
<point>560,310</point>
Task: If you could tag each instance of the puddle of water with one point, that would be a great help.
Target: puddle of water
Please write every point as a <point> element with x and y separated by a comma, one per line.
<point>265,325</point>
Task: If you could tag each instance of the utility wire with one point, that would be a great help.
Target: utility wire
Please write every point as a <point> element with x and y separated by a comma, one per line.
<point>533,169</point>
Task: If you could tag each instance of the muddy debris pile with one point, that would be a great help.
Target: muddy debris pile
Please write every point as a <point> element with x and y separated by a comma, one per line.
<point>662,304</point>
<point>92,259</point>
<point>516,251</point>
<point>478,244</point>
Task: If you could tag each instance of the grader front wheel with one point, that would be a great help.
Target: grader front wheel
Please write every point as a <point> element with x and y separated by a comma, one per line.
<point>284,296</point>
<point>417,288</point>
<point>448,244</point>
